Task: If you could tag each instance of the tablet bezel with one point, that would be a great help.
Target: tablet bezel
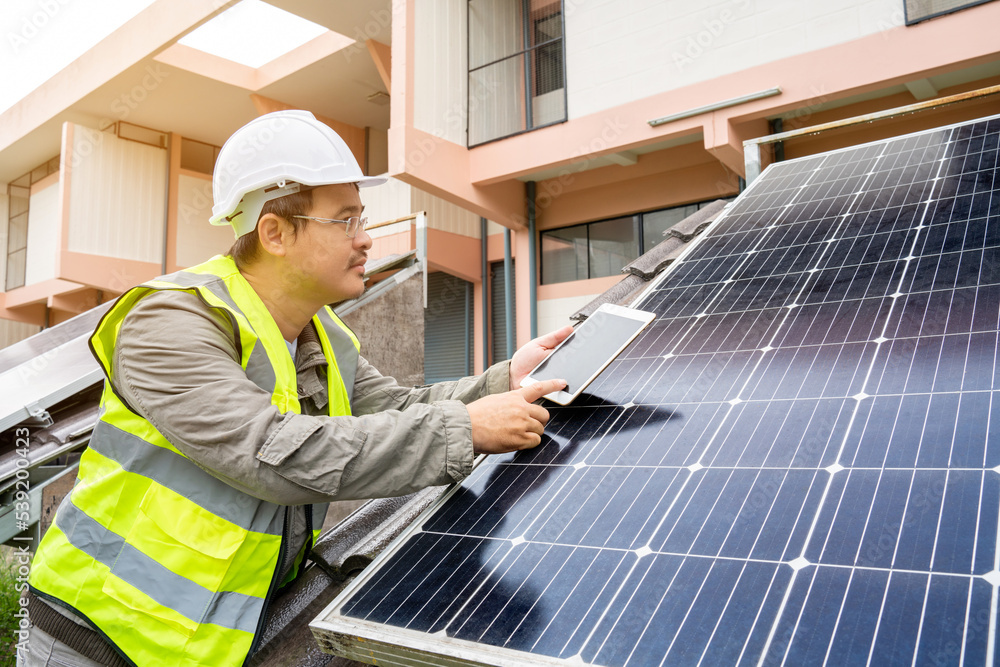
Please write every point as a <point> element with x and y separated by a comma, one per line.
<point>565,398</point>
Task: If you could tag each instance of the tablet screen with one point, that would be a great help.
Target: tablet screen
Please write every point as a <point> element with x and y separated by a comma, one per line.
<point>593,345</point>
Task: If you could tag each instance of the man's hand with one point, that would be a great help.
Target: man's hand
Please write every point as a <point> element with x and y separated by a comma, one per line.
<point>510,421</point>
<point>532,354</point>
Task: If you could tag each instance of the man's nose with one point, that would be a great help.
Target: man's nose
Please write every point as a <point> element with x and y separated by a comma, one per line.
<point>362,241</point>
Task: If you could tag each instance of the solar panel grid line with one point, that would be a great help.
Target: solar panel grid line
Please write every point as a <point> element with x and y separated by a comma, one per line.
<point>565,600</point>
<point>840,613</point>
<point>717,624</point>
<point>568,480</point>
<point>652,615</point>
<point>526,615</point>
<point>991,645</point>
<point>687,616</point>
<point>608,609</point>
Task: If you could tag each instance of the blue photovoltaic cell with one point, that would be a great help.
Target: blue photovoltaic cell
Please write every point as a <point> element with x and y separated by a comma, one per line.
<point>797,463</point>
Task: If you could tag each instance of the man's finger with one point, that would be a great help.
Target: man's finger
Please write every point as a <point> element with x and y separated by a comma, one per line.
<point>553,338</point>
<point>533,392</point>
<point>538,414</point>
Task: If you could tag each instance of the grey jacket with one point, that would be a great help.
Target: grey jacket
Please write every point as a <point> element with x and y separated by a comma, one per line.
<point>176,364</point>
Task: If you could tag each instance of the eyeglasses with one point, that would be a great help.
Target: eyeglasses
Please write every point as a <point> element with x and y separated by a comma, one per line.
<point>354,223</point>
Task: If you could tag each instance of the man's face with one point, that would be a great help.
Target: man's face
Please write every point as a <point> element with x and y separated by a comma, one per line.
<point>330,265</point>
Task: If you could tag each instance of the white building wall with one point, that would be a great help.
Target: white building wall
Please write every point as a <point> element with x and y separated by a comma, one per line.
<point>554,313</point>
<point>388,201</point>
<point>117,197</point>
<point>446,216</point>
<point>4,211</point>
<point>440,69</point>
<point>43,235</point>
<point>618,52</point>
<point>196,239</point>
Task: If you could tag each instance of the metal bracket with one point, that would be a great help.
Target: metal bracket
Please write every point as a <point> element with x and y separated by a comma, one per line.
<point>38,416</point>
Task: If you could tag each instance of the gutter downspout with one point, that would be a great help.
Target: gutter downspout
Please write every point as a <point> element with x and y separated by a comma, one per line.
<point>484,291</point>
<point>532,261</point>
<point>166,204</point>
<point>508,295</point>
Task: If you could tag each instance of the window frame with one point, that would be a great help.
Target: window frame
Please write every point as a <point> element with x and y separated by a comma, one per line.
<point>528,27</point>
<point>25,182</point>
<point>638,220</point>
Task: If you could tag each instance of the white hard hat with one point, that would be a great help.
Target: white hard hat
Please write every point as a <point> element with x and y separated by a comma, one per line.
<point>269,157</point>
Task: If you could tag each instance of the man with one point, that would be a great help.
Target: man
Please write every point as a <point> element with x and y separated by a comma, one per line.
<point>236,405</point>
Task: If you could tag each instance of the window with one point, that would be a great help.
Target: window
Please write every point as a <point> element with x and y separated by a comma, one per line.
<point>613,244</point>
<point>198,156</point>
<point>603,248</point>
<point>516,67</point>
<point>18,200</point>
<point>921,10</point>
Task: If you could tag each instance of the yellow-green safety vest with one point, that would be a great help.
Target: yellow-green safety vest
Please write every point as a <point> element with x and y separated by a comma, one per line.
<point>170,564</point>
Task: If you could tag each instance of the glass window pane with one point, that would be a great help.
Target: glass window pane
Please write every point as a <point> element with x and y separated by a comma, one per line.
<point>548,68</point>
<point>16,269</point>
<point>655,224</point>
<point>19,199</point>
<point>547,24</point>
<point>613,244</point>
<point>495,30</point>
<point>564,254</point>
<point>17,235</point>
<point>496,100</point>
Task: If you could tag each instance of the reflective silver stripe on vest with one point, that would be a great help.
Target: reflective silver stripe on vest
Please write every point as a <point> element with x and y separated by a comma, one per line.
<point>227,609</point>
<point>259,368</point>
<point>185,478</point>
<point>343,350</point>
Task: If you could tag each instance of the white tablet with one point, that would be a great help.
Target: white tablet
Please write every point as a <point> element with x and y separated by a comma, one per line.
<point>592,346</point>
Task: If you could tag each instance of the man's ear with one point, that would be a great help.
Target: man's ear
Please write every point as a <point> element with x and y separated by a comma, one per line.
<point>275,234</point>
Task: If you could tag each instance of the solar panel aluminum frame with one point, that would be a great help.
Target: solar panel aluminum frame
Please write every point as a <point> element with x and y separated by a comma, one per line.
<point>376,643</point>
<point>366,640</point>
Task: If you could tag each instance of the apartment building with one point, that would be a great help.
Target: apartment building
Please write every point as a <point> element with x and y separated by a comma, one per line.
<point>547,142</point>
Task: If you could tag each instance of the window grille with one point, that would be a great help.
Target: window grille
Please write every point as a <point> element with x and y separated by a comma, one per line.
<point>921,10</point>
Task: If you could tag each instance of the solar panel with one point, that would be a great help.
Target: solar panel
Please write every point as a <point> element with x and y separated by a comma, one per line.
<point>797,463</point>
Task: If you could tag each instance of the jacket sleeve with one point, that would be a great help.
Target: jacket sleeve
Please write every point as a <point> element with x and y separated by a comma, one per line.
<point>176,364</point>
